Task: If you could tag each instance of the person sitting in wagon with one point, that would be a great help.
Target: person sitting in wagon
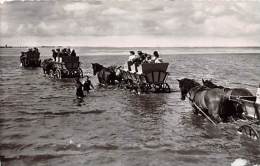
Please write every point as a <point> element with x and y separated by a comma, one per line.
<point>23,57</point>
<point>54,54</point>
<point>36,53</point>
<point>148,58</point>
<point>59,54</point>
<point>29,53</point>
<point>68,51</point>
<point>132,56</point>
<point>131,60</point>
<point>73,53</point>
<point>156,58</point>
<point>64,52</point>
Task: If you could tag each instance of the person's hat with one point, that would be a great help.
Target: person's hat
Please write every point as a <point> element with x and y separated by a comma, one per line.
<point>155,53</point>
<point>132,52</point>
<point>139,52</point>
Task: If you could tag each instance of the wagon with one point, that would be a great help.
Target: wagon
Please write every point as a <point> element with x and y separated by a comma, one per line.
<point>30,59</point>
<point>69,67</point>
<point>250,127</point>
<point>147,77</point>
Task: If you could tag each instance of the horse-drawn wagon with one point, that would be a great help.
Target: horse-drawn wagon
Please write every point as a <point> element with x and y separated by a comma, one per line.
<point>251,109</point>
<point>69,67</point>
<point>146,77</point>
<point>245,105</point>
<point>31,58</point>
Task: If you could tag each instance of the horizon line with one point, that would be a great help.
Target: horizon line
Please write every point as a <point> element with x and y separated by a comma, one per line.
<point>42,46</point>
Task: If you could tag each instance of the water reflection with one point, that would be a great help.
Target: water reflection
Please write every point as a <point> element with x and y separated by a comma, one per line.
<point>143,115</point>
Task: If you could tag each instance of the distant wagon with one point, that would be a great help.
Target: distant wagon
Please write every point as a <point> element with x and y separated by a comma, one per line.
<point>69,67</point>
<point>147,77</point>
<point>31,58</point>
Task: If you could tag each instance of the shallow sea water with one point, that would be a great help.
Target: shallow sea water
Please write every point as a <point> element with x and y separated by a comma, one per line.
<point>42,122</point>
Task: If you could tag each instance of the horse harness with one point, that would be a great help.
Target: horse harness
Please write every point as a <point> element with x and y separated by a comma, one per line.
<point>191,98</point>
<point>197,89</point>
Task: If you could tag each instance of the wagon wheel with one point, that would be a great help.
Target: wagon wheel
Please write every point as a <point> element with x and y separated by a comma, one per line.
<point>249,131</point>
<point>52,74</point>
<point>148,87</point>
<point>156,87</point>
<point>165,88</point>
<point>57,74</point>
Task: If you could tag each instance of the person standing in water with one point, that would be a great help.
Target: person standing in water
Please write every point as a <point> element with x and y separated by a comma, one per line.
<point>87,85</point>
<point>79,88</point>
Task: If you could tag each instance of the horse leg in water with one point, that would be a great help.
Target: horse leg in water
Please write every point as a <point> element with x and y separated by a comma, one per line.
<point>111,79</point>
<point>101,78</point>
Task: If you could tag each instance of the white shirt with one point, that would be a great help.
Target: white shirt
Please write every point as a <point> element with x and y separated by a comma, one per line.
<point>131,57</point>
<point>158,60</point>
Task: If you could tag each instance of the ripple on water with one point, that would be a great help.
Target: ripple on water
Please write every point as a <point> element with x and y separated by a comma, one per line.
<point>110,126</point>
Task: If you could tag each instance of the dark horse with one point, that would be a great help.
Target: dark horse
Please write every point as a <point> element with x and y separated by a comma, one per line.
<point>48,65</point>
<point>118,73</point>
<point>235,106</point>
<point>210,101</point>
<point>105,75</point>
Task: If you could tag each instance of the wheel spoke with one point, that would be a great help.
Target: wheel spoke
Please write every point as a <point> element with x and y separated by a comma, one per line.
<point>249,131</point>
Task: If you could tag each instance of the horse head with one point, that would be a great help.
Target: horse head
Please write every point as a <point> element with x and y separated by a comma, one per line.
<point>186,85</point>
<point>96,68</point>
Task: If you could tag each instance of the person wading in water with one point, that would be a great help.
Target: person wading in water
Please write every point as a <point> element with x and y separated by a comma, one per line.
<point>79,88</point>
<point>88,85</point>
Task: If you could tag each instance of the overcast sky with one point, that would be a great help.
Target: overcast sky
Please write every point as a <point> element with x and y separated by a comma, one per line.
<point>131,22</point>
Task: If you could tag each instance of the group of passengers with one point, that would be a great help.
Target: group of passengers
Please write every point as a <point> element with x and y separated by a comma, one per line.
<point>58,53</point>
<point>141,57</point>
<point>32,53</point>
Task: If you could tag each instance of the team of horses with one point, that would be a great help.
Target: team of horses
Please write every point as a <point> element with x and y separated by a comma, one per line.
<point>213,100</point>
<point>48,65</point>
<point>208,97</point>
<point>107,75</point>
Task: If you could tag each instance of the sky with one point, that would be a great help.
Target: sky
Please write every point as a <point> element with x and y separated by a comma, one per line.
<point>130,23</point>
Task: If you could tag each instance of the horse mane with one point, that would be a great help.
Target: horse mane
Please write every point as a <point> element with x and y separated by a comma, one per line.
<point>210,84</point>
<point>191,82</point>
<point>97,65</point>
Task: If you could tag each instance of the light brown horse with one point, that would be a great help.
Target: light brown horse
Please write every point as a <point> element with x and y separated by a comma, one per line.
<point>210,101</point>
